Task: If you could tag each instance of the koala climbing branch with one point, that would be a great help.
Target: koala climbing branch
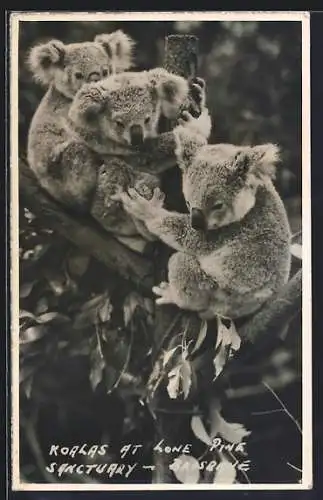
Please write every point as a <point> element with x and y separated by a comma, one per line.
<point>83,232</point>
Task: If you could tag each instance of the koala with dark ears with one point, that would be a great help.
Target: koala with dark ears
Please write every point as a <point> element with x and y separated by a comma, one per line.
<point>233,248</point>
<point>64,69</point>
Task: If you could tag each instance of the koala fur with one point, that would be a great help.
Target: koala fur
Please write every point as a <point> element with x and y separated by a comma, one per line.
<point>233,249</point>
<point>124,110</point>
<point>67,171</point>
<point>115,118</point>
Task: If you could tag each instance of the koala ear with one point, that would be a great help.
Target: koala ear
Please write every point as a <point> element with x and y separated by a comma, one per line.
<point>264,161</point>
<point>87,103</point>
<point>242,161</point>
<point>258,162</point>
<point>172,91</point>
<point>188,143</point>
<point>43,57</point>
<point>119,48</point>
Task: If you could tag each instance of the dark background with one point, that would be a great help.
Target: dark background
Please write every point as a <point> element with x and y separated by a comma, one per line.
<point>253,76</point>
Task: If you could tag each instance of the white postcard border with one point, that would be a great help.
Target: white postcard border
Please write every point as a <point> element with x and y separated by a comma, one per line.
<point>304,18</point>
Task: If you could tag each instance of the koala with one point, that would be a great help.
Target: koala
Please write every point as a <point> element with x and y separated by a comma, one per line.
<point>68,171</point>
<point>124,110</point>
<point>233,248</point>
<point>115,118</point>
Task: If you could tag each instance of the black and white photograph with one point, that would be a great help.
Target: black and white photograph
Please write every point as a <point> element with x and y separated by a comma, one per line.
<point>160,224</point>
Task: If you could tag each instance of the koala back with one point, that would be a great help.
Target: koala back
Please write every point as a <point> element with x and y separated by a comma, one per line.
<point>47,130</point>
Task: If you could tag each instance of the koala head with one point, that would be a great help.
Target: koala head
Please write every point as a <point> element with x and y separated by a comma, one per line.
<point>220,182</point>
<point>124,108</point>
<point>68,67</point>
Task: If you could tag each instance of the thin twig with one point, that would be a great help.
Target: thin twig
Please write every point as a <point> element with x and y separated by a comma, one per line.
<point>31,436</point>
<point>255,390</point>
<point>268,412</point>
<point>298,233</point>
<point>166,335</point>
<point>283,406</point>
<point>243,472</point>
<point>294,467</point>
<point>126,363</point>
<point>97,333</point>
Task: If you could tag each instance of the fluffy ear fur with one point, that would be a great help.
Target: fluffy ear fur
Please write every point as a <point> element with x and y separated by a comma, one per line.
<point>42,58</point>
<point>258,162</point>
<point>188,143</point>
<point>88,103</point>
<point>173,90</point>
<point>119,48</point>
<point>266,156</point>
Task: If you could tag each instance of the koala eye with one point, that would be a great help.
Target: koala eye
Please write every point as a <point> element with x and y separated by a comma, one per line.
<point>78,75</point>
<point>119,124</point>
<point>105,72</point>
<point>218,206</point>
<point>147,120</point>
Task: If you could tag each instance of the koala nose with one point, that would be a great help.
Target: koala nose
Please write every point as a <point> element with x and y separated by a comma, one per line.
<point>136,135</point>
<point>198,219</point>
<point>94,77</point>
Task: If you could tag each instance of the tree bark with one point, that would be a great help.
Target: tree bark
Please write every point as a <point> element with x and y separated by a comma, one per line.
<point>180,58</point>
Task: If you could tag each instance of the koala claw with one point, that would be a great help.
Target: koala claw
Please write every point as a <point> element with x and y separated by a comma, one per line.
<point>185,118</point>
<point>138,206</point>
<point>197,91</point>
<point>164,291</point>
<point>200,82</point>
<point>156,201</point>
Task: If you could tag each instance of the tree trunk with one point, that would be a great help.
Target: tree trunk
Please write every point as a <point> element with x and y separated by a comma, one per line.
<point>171,424</point>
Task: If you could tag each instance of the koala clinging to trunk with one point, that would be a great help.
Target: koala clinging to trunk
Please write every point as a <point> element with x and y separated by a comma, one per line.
<point>123,111</point>
<point>233,249</point>
<point>115,118</point>
<point>69,175</point>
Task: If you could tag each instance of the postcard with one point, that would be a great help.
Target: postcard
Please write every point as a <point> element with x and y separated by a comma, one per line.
<point>160,251</point>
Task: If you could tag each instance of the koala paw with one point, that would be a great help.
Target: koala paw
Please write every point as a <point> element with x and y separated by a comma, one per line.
<point>144,190</point>
<point>197,92</point>
<point>164,292</point>
<point>137,206</point>
<point>56,154</point>
<point>185,118</point>
<point>201,125</point>
<point>197,89</point>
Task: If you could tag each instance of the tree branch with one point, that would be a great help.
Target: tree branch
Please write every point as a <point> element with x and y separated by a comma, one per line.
<point>262,330</point>
<point>84,232</point>
<point>277,310</point>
